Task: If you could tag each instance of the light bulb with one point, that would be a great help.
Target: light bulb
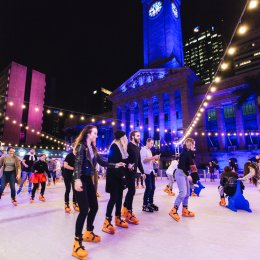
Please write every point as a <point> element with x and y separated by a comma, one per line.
<point>224,66</point>
<point>242,29</point>
<point>231,51</point>
<point>252,4</point>
<point>213,89</point>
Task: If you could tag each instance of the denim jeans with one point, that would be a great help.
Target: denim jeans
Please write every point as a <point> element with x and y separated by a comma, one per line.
<point>26,175</point>
<point>149,189</point>
<point>184,188</point>
<point>171,181</point>
<point>8,177</point>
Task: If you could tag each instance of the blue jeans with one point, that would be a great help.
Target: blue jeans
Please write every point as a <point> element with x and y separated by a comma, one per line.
<point>8,177</point>
<point>184,188</point>
<point>149,189</point>
<point>25,175</point>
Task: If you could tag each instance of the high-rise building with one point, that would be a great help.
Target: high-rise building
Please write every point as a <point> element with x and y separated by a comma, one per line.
<point>247,57</point>
<point>203,52</point>
<point>21,102</point>
<point>101,98</point>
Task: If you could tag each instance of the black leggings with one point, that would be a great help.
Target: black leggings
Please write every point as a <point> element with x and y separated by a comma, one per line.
<point>68,180</point>
<point>116,197</point>
<point>36,186</point>
<point>88,205</point>
<point>131,191</point>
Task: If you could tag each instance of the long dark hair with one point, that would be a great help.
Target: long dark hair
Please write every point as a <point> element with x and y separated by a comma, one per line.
<point>256,176</point>
<point>81,138</point>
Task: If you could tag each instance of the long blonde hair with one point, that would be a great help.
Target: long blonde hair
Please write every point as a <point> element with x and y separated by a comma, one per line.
<point>122,145</point>
<point>189,142</point>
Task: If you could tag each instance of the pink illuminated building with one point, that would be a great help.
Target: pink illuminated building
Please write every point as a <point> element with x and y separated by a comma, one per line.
<point>21,102</point>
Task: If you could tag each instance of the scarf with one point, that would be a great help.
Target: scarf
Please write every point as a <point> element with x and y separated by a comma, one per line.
<point>122,151</point>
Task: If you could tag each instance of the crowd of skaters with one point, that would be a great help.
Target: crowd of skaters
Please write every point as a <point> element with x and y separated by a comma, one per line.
<point>127,164</point>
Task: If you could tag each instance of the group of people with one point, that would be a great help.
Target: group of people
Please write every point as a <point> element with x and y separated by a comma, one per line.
<point>125,160</point>
<point>31,169</point>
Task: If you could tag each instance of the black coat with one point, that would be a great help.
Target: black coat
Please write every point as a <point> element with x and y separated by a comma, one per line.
<point>115,178</point>
<point>84,165</point>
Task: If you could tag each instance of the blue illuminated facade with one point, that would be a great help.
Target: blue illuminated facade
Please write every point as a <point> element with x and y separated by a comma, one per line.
<point>162,34</point>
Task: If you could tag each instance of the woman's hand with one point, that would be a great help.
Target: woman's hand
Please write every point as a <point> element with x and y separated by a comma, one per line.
<point>18,177</point>
<point>78,185</point>
<point>121,164</point>
<point>131,166</point>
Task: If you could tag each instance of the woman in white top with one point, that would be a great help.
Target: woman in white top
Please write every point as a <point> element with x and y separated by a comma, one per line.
<point>170,174</point>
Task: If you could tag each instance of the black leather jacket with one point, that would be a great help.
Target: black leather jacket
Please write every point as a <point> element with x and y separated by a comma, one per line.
<point>83,163</point>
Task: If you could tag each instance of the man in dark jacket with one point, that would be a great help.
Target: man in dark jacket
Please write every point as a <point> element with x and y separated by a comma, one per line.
<point>134,158</point>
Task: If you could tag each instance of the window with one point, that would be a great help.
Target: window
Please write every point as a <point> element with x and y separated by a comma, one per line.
<point>249,108</point>
<point>229,111</point>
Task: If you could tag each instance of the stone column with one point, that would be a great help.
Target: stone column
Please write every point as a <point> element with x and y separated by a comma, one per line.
<point>141,118</point>
<point>150,118</point>
<point>201,141</point>
<point>161,117</point>
<point>240,128</point>
<point>123,110</point>
<point>131,108</point>
<point>221,127</point>
<point>173,118</point>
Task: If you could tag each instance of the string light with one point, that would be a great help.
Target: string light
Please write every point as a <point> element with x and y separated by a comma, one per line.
<point>252,4</point>
<point>242,29</point>
<point>224,66</point>
<point>71,116</point>
<point>48,111</point>
<point>231,51</point>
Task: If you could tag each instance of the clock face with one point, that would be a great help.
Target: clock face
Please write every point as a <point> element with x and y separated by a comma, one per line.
<point>175,10</point>
<point>155,9</point>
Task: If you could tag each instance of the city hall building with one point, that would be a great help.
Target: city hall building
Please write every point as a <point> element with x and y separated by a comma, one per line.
<point>161,99</point>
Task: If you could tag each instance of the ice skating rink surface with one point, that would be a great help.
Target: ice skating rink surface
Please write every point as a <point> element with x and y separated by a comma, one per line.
<point>43,231</point>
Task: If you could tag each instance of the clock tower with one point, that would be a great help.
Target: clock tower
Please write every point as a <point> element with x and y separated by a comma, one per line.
<point>163,47</point>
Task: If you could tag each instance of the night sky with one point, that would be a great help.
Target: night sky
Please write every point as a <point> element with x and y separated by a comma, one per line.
<point>89,44</point>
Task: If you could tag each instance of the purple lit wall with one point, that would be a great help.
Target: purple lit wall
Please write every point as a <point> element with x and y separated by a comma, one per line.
<point>15,94</point>
<point>35,113</point>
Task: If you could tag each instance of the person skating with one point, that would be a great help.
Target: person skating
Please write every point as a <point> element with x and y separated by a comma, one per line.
<point>170,173</point>
<point>115,182</point>
<point>253,173</point>
<point>147,160</point>
<point>86,158</point>
<point>38,177</point>
<point>11,172</point>
<point>134,159</point>
<point>51,168</point>
<point>181,177</point>
<point>68,165</point>
<point>27,163</point>
<point>228,184</point>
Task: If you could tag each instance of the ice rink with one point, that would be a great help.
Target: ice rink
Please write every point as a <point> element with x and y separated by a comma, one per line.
<point>43,231</point>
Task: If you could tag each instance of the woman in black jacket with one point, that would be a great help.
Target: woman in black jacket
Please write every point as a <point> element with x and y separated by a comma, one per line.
<point>115,182</point>
<point>86,158</point>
